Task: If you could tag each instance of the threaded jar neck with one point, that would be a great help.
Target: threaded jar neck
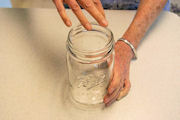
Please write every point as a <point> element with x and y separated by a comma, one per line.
<point>90,46</point>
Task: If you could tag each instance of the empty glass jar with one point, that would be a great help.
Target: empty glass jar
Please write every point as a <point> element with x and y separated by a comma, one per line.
<point>90,62</point>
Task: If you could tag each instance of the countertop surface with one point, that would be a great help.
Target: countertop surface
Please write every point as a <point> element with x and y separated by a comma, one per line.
<point>33,74</point>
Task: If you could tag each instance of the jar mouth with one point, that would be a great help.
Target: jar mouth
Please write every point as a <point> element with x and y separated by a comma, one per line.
<point>93,43</point>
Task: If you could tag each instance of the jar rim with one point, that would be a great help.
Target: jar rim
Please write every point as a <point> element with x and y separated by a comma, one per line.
<point>109,43</point>
<point>95,54</point>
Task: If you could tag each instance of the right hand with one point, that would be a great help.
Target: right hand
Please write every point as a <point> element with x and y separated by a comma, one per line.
<point>94,7</point>
<point>120,84</point>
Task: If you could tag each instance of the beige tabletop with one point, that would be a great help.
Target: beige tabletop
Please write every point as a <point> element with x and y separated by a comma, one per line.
<point>33,75</point>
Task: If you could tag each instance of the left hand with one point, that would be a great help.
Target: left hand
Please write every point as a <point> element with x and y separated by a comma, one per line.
<point>119,85</point>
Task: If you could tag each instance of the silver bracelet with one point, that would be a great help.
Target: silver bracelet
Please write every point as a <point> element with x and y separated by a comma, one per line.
<point>130,45</point>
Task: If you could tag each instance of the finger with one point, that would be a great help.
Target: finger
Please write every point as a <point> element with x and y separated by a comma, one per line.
<point>125,90</point>
<point>126,87</point>
<point>90,7</point>
<point>77,11</point>
<point>99,6</point>
<point>112,86</point>
<point>62,12</point>
<point>116,82</point>
<point>110,98</point>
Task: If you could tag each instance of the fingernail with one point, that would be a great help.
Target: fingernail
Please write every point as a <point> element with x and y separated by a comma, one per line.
<point>107,104</point>
<point>104,22</point>
<point>88,26</point>
<point>110,102</point>
<point>68,23</point>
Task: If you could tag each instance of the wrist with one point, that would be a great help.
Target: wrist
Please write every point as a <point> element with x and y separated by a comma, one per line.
<point>124,50</point>
<point>132,37</point>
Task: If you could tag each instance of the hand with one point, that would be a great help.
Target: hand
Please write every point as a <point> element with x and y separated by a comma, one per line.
<point>119,85</point>
<point>94,7</point>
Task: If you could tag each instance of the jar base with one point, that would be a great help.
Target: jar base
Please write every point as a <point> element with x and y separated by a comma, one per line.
<point>84,106</point>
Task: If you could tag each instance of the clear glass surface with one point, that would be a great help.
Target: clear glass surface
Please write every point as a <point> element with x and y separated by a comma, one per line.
<point>90,62</point>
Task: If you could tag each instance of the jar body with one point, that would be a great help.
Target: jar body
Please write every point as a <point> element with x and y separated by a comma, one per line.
<point>89,66</point>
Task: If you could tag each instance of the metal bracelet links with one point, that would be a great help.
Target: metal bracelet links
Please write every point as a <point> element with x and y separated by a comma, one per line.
<point>130,45</point>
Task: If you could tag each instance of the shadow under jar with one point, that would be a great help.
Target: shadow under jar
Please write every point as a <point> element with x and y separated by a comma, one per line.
<point>90,62</point>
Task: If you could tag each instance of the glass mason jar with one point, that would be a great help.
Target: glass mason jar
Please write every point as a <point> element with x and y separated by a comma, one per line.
<point>90,62</point>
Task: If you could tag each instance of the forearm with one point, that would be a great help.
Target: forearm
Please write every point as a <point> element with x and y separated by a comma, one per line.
<point>147,12</point>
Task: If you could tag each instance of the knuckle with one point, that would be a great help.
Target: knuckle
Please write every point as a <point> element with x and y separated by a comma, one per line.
<point>96,2</point>
<point>121,83</point>
<point>74,6</point>
<point>88,4</point>
<point>128,85</point>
